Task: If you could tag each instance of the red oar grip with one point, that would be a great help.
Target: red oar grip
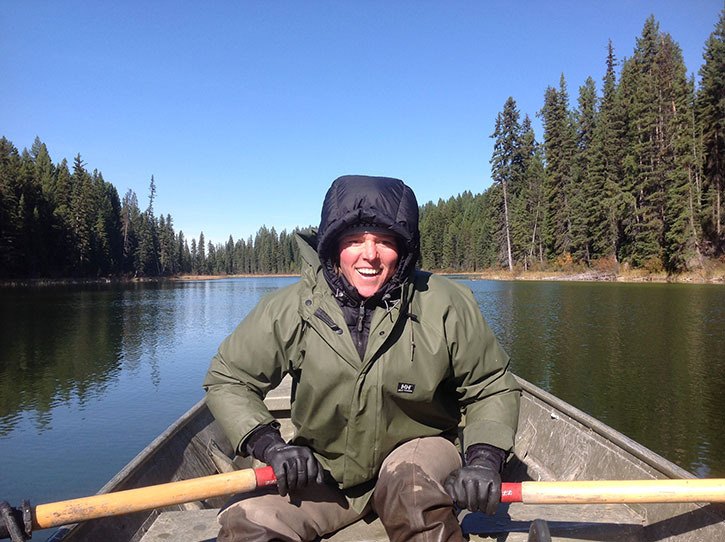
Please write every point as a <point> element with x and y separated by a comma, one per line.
<point>510,492</point>
<point>265,476</point>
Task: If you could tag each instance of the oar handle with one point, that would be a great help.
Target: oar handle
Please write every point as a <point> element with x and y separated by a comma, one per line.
<point>615,491</point>
<point>511,492</point>
<point>146,498</point>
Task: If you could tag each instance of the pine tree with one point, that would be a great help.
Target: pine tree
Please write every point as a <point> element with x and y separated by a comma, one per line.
<point>62,221</point>
<point>107,245</point>
<point>168,256</point>
<point>530,205</point>
<point>147,251</point>
<point>507,166</point>
<point>11,261</point>
<point>711,120</point>
<point>130,221</point>
<point>432,227</point>
<point>605,167</point>
<point>643,225</point>
<point>201,263</point>
<point>183,253</point>
<point>559,150</point>
<point>194,253</point>
<point>682,235</point>
<point>44,169</point>
<point>586,203</point>
<point>32,218</point>
<point>658,163</point>
<point>82,217</point>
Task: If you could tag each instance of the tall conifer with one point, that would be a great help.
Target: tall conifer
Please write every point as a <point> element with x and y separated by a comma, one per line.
<point>507,168</point>
<point>711,120</point>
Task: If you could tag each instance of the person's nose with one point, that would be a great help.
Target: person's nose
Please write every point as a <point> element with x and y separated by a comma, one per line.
<point>370,249</point>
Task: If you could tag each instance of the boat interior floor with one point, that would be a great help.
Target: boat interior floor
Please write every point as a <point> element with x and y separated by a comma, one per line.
<point>512,523</point>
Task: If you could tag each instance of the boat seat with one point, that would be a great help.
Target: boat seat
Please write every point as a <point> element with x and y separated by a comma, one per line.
<point>567,523</point>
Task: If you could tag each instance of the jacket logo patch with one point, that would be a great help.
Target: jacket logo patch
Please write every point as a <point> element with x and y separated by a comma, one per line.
<point>404,387</point>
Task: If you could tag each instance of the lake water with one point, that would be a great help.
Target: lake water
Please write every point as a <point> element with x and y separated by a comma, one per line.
<point>90,375</point>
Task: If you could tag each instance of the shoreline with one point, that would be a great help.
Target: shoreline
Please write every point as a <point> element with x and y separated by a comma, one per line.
<point>633,277</point>
<point>716,276</point>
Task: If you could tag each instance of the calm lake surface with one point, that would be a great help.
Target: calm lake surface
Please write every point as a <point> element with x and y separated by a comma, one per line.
<point>90,375</point>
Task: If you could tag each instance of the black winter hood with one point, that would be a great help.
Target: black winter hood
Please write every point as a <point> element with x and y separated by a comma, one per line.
<point>380,203</point>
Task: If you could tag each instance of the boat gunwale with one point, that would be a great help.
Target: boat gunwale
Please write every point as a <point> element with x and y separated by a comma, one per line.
<point>664,466</point>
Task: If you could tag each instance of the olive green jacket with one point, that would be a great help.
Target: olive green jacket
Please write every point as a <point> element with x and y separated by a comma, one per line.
<point>430,358</point>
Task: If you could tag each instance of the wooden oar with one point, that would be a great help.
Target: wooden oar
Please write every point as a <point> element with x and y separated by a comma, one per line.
<point>615,491</point>
<point>45,516</point>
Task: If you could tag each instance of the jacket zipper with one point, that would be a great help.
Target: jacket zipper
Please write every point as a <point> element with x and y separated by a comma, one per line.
<point>329,322</point>
<point>360,317</point>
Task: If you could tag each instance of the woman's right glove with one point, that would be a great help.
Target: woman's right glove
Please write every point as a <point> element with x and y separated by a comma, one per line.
<point>294,466</point>
<point>477,485</point>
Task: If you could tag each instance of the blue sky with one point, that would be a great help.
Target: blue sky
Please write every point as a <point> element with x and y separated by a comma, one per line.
<point>246,111</point>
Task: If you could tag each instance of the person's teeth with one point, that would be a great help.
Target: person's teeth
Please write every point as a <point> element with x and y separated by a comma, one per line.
<point>369,272</point>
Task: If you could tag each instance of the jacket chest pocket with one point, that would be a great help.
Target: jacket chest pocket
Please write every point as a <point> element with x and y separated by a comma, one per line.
<point>317,366</point>
<point>416,381</point>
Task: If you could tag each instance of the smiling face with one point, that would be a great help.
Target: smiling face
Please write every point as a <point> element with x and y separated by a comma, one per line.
<point>368,260</point>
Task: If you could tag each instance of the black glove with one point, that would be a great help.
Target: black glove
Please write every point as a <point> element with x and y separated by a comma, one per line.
<point>477,485</point>
<point>294,466</point>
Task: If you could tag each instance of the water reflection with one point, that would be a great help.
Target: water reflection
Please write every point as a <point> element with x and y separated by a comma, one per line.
<point>644,358</point>
<point>55,345</point>
<point>71,342</point>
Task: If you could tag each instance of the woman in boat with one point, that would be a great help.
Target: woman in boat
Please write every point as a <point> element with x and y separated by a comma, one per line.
<point>384,359</point>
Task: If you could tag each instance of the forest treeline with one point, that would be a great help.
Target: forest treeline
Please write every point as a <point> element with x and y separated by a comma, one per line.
<point>58,221</point>
<point>633,175</point>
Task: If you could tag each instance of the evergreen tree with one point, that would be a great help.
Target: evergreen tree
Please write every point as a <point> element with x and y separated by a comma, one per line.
<point>51,242</point>
<point>605,167</point>
<point>147,251</point>
<point>82,218</point>
<point>530,205</point>
<point>33,217</point>
<point>655,93</point>
<point>194,257</point>
<point>586,203</point>
<point>62,220</point>
<point>559,151</point>
<point>183,254</point>
<point>507,165</point>
<point>130,224</point>
<point>212,265</point>
<point>169,261</point>
<point>643,225</point>
<point>107,241</point>
<point>229,267</point>
<point>10,229</point>
<point>432,226</point>
<point>44,169</point>
<point>682,234</point>
<point>201,265</point>
<point>711,120</point>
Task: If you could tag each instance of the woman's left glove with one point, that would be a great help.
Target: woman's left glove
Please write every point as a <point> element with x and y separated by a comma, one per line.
<point>477,485</point>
